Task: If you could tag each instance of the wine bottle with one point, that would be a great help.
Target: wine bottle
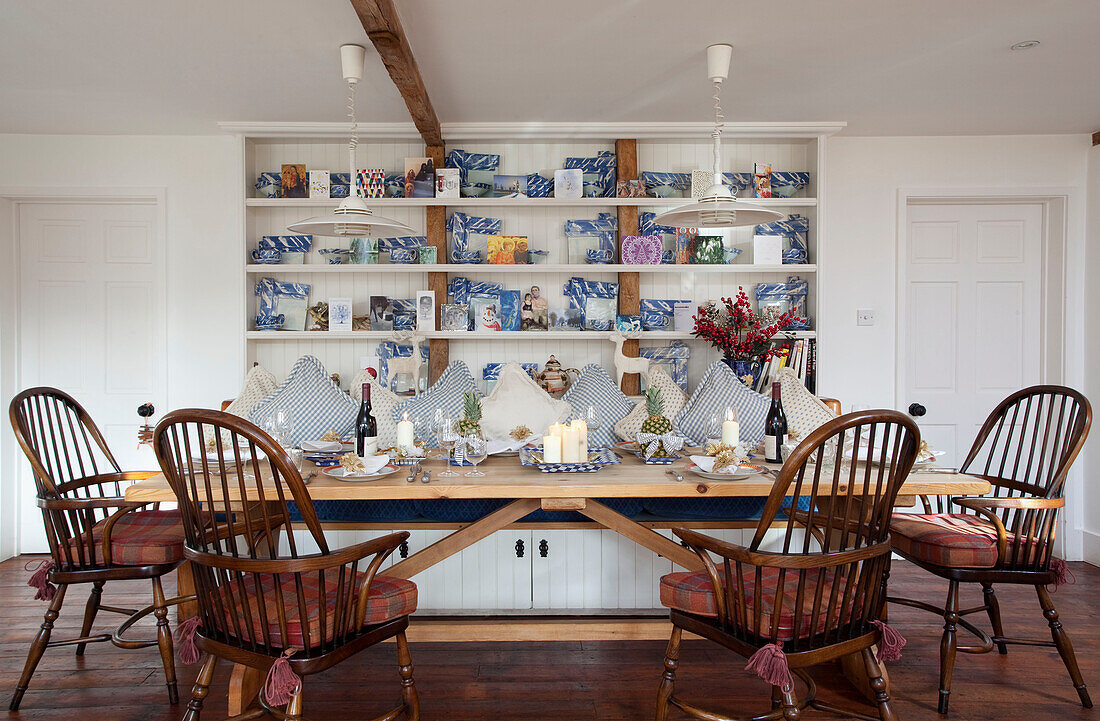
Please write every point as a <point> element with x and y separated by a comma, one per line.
<point>775,429</point>
<point>366,427</point>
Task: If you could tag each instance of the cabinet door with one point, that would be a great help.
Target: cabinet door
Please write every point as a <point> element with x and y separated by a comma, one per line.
<point>570,575</point>
<point>492,574</point>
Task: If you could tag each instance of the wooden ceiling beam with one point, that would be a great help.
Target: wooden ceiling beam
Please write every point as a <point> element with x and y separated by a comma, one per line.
<point>1096,138</point>
<point>383,27</point>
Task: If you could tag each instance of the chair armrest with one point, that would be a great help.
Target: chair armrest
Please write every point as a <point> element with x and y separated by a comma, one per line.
<point>301,564</point>
<point>121,477</point>
<point>980,506</point>
<point>701,543</point>
<point>976,502</point>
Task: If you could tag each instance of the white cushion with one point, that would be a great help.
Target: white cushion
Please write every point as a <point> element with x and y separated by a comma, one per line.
<point>383,401</point>
<point>721,389</point>
<point>595,388</point>
<point>317,404</point>
<point>805,412</point>
<point>259,383</point>
<point>517,400</point>
<point>446,393</point>
<point>670,392</point>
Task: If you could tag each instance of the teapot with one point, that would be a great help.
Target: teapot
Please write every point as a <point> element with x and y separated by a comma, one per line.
<point>554,379</point>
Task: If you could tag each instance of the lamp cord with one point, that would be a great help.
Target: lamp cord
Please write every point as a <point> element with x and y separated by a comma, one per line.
<point>719,124</point>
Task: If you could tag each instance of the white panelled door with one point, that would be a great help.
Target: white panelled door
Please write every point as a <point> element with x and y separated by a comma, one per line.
<point>970,315</point>
<point>91,320</point>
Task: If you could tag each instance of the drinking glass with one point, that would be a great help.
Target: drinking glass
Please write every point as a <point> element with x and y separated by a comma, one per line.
<point>475,452</point>
<point>714,428</point>
<point>440,422</point>
<point>281,425</point>
<point>447,439</point>
<point>592,420</point>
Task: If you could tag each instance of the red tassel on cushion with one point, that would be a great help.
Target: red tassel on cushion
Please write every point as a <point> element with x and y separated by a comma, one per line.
<point>1062,574</point>
<point>186,648</point>
<point>770,664</point>
<point>890,641</point>
<point>40,580</point>
<point>282,684</point>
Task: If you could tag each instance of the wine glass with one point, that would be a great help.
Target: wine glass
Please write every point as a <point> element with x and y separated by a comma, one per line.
<point>448,437</point>
<point>440,422</point>
<point>475,452</point>
<point>592,420</point>
<point>281,425</point>
<point>714,428</point>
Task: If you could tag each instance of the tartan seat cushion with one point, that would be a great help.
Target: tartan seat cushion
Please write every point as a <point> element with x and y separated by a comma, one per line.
<point>139,538</point>
<point>954,540</point>
<point>389,598</point>
<point>692,592</point>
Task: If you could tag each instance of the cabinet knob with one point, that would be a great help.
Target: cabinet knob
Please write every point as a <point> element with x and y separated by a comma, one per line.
<point>917,410</point>
<point>544,548</point>
<point>403,549</point>
<point>519,548</point>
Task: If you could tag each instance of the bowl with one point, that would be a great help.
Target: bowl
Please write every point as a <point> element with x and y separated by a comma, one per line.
<point>335,256</point>
<point>598,255</point>
<point>468,257</point>
<point>270,322</point>
<point>402,256</point>
<point>266,256</point>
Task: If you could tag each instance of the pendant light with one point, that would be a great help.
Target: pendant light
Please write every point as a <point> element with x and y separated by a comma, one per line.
<point>718,208</point>
<point>352,218</point>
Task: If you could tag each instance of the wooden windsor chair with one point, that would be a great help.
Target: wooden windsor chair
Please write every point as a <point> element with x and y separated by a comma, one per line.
<point>94,534</point>
<point>821,596</point>
<point>289,614</point>
<point>1025,450</point>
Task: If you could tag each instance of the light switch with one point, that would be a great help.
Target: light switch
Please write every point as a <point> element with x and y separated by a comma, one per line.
<point>865,316</point>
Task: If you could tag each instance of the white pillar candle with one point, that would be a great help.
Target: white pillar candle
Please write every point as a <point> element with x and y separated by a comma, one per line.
<point>581,427</point>
<point>406,436</point>
<point>551,449</point>
<point>730,430</point>
<point>570,446</point>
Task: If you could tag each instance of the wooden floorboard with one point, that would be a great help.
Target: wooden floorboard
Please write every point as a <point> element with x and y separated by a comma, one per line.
<point>604,680</point>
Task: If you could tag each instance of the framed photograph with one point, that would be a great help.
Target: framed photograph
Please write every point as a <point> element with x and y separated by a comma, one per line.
<point>566,319</point>
<point>455,317</point>
<point>381,313</point>
<point>339,314</point>
<point>568,183</point>
<point>318,184</point>
<point>419,178</point>
<point>294,181</point>
<point>509,186</point>
<point>425,310</point>
<point>485,314</point>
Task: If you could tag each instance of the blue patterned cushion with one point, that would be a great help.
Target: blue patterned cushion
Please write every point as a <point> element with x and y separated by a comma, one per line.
<point>729,508</point>
<point>445,393</point>
<point>594,387</point>
<point>721,389</point>
<point>316,403</point>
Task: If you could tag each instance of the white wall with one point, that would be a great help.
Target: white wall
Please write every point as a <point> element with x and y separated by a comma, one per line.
<point>864,176</point>
<point>1091,461</point>
<point>200,178</point>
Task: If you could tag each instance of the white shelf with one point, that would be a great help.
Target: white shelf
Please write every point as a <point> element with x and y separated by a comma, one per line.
<point>289,335</point>
<point>516,202</point>
<point>489,269</point>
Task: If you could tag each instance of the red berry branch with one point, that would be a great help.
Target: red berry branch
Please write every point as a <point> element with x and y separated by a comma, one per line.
<point>738,331</point>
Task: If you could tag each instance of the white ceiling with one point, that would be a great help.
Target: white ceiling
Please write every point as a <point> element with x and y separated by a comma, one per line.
<point>897,68</point>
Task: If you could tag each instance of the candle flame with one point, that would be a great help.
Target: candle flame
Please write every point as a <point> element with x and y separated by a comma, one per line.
<point>406,416</point>
<point>729,414</point>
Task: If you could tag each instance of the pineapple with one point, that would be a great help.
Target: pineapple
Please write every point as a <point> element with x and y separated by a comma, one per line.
<point>656,423</point>
<point>470,425</point>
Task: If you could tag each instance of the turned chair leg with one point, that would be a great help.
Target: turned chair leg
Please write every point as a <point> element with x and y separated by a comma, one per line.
<point>878,686</point>
<point>1065,647</point>
<point>408,688</point>
<point>38,647</point>
<point>994,610</point>
<point>90,611</point>
<point>294,708</point>
<point>948,644</point>
<point>668,678</point>
<point>164,641</point>
<point>201,688</point>
<point>791,712</point>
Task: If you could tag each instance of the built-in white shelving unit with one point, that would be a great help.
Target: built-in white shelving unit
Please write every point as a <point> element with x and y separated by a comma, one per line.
<point>660,147</point>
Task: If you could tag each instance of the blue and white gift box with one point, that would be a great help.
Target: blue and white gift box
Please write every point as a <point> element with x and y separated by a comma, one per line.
<point>646,226</point>
<point>604,228</point>
<point>791,295</point>
<point>388,349</point>
<point>786,183</point>
<point>601,168</point>
<point>475,171</point>
<point>462,226</point>
<point>292,248</point>
<point>462,289</point>
<point>673,358</point>
<point>795,230</point>
<point>270,185</point>
<point>538,186</point>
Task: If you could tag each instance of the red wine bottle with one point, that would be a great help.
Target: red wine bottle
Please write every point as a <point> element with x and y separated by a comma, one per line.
<point>366,427</point>
<point>775,429</point>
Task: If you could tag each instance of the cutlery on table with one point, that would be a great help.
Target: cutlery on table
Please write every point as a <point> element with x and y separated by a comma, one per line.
<point>675,474</point>
<point>309,478</point>
<point>427,476</point>
<point>412,472</point>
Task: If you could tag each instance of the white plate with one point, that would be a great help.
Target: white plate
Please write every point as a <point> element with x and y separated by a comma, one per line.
<point>741,474</point>
<point>337,472</point>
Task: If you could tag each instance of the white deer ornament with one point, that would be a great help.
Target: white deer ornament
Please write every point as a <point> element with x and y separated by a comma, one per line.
<point>624,363</point>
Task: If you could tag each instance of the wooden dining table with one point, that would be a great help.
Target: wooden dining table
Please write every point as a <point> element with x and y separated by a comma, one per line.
<point>527,490</point>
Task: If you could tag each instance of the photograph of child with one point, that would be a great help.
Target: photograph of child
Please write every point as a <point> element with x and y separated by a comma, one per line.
<point>526,313</point>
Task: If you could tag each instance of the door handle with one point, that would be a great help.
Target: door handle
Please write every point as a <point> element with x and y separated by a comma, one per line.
<point>519,548</point>
<point>917,410</point>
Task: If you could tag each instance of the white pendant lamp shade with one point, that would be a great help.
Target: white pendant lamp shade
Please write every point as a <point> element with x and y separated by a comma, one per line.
<point>718,208</point>
<point>352,218</point>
